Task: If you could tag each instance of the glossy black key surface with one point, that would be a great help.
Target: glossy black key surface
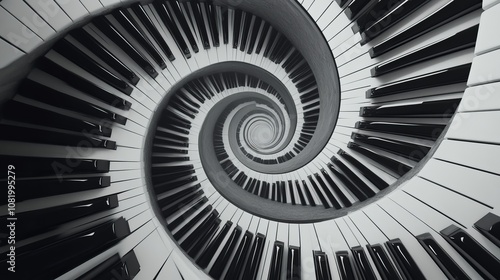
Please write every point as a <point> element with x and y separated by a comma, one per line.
<point>308,194</point>
<point>84,38</point>
<point>52,258</point>
<point>357,6</point>
<point>34,223</point>
<point>454,75</point>
<point>403,259</point>
<point>200,230</point>
<point>36,188</point>
<point>125,268</point>
<point>236,266</point>
<point>172,208</point>
<point>146,21</point>
<point>225,24</point>
<point>238,15</point>
<point>402,11</point>
<point>395,166</point>
<point>344,266</point>
<point>321,266</point>
<point>106,27</point>
<point>215,243</point>
<point>43,93</point>
<point>442,259</point>
<point>276,262</point>
<point>128,22</point>
<point>364,267</point>
<point>315,187</point>
<point>169,22</point>
<point>82,84</point>
<point>254,258</point>
<point>489,226</point>
<point>245,31</point>
<point>192,221</point>
<point>476,255</point>
<point>377,12</point>
<point>207,235</point>
<point>255,31</point>
<point>410,151</point>
<point>210,11</point>
<point>449,12</point>
<point>225,254</point>
<point>352,176</point>
<point>424,131</point>
<point>74,54</point>
<point>459,41</point>
<point>361,194</point>
<point>196,8</point>
<point>429,109</point>
<point>293,270</point>
<point>32,135</point>
<point>327,191</point>
<point>384,266</point>
<point>42,166</point>
<point>175,7</point>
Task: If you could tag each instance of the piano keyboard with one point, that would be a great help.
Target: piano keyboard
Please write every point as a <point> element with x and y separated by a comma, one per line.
<point>200,139</point>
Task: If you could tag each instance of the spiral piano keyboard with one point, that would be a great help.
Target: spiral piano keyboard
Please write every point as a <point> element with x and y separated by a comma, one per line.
<point>250,139</point>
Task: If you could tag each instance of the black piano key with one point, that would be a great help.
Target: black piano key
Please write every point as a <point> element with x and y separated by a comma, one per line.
<point>187,216</point>
<point>197,234</point>
<point>476,255</point>
<point>273,40</point>
<point>53,259</point>
<point>238,15</point>
<point>283,192</point>
<point>236,267</point>
<point>293,270</point>
<point>38,166</point>
<point>98,49</point>
<point>212,20</point>
<point>174,207</point>
<point>382,262</point>
<point>362,263</point>
<point>168,200</point>
<point>74,54</point>
<point>449,12</point>
<point>403,259</point>
<point>175,7</point>
<point>290,189</point>
<point>146,21</point>
<point>105,26</point>
<point>423,131</point>
<point>398,14</point>
<point>357,6</point>
<point>461,40</point>
<point>204,239</point>
<point>254,258</point>
<point>318,192</point>
<point>308,194</point>
<point>397,167</point>
<point>408,150</point>
<point>454,75</point>
<point>169,22</point>
<point>253,38</point>
<point>442,259</point>
<point>34,222</point>
<point>262,37</point>
<point>225,254</point>
<point>336,189</point>
<point>301,195</point>
<point>360,194</point>
<point>377,12</point>
<point>32,135</point>
<point>276,260</point>
<point>321,266</point>
<point>17,111</point>
<point>163,186</point>
<point>42,93</point>
<point>429,109</point>
<point>330,196</point>
<point>209,252</point>
<point>128,22</point>
<point>489,226</point>
<point>344,266</point>
<point>125,268</point>
<point>82,84</point>
<point>36,188</point>
<point>192,221</point>
<point>353,177</point>
<point>196,7</point>
<point>225,24</point>
<point>245,30</point>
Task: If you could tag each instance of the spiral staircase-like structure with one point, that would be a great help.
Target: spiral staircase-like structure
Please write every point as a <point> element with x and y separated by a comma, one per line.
<point>250,139</point>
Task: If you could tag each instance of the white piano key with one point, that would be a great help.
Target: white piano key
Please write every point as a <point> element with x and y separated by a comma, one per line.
<point>109,3</point>
<point>480,156</point>
<point>28,17</point>
<point>318,7</point>
<point>16,33</point>
<point>329,16</point>
<point>151,256</point>
<point>475,127</point>
<point>480,98</point>
<point>92,6</point>
<point>51,13</point>
<point>486,39</point>
<point>308,244</point>
<point>484,69</point>
<point>487,4</point>
<point>169,271</point>
<point>9,54</point>
<point>73,8</point>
